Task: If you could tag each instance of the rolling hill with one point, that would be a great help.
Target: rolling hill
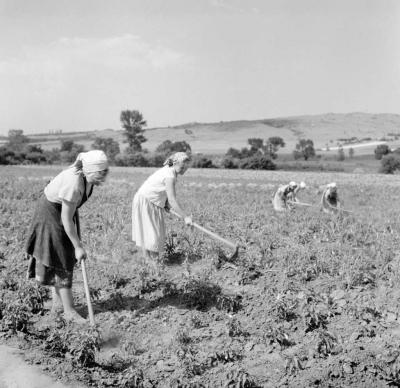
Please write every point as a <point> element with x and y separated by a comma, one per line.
<point>215,138</point>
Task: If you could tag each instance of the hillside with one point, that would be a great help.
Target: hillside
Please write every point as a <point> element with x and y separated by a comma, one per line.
<point>216,138</point>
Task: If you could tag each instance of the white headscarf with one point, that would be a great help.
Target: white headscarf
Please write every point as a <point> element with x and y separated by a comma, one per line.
<point>176,158</point>
<point>91,161</point>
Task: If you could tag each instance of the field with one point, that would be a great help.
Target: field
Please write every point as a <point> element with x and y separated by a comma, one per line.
<point>311,301</point>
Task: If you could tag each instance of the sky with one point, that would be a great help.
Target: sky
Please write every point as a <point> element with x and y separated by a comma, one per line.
<point>75,64</point>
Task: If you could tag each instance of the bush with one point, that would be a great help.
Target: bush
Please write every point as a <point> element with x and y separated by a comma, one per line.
<point>131,160</point>
<point>156,160</point>
<point>230,163</point>
<point>202,162</point>
<point>381,150</point>
<point>257,163</point>
<point>389,164</point>
<point>168,147</point>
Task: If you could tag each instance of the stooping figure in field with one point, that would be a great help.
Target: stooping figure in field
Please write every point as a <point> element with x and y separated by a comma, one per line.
<point>54,242</point>
<point>156,196</point>
<point>282,197</point>
<point>292,196</point>
<point>330,200</point>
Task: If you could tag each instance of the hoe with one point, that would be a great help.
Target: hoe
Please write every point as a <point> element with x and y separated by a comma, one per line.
<point>310,205</point>
<point>215,236</point>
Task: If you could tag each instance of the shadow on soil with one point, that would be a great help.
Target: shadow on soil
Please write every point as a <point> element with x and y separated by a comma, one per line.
<point>193,295</point>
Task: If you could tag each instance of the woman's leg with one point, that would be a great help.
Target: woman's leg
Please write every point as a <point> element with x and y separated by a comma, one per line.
<point>68,303</point>
<point>57,305</point>
<point>152,261</point>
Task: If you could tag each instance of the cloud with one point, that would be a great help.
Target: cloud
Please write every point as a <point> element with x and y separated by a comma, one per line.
<point>53,66</point>
<point>230,6</point>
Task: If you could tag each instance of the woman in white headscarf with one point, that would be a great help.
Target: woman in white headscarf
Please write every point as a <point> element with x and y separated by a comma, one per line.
<point>330,202</point>
<point>282,197</point>
<point>54,244</point>
<point>157,195</point>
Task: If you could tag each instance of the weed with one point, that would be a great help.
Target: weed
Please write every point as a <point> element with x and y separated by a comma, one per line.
<point>279,336</point>
<point>235,328</point>
<point>171,254</point>
<point>117,281</point>
<point>314,317</point>
<point>284,308</point>
<point>293,364</point>
<point>200,294</point>
<point>240,379</point>
<point>79,346</point>
<point>197,320</point>
<point>182,338</point>
<point>229,303</point>
<point>16,317</point>
<point>388,367</point>
<point>131,378</point>
<point>327,343</point>
<point>222,357</point>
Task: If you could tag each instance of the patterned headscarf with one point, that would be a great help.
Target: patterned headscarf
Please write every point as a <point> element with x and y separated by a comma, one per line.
<point>91,161</point>
<point>176,158</point>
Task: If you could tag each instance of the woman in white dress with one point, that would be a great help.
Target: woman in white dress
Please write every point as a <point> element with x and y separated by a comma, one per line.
<point>157,195</point>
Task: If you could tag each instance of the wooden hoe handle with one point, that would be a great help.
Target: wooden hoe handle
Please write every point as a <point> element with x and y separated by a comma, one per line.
<point>211,234</point>
<point>87,292</point>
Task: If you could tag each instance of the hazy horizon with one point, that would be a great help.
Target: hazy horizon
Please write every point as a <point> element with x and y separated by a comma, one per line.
<point>74,65</point>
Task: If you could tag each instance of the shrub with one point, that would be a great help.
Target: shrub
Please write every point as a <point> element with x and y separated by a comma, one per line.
<point>156,160</point>
<point>202,162</point>
<point>381,150</point>
<point>257,163</point>
<point>389,164</point>
<point>230,162</point>
<point>168,147</point>
<point>131,160</point>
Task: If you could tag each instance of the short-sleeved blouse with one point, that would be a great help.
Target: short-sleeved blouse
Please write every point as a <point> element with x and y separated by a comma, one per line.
<point>68,185</point>
<point>154,187</point>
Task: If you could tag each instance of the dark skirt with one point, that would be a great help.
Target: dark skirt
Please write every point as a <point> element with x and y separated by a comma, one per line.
<point>52,255</point>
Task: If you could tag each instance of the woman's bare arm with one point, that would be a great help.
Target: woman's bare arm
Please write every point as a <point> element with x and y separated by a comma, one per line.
<point>171,194</point>
<point>67,214</point>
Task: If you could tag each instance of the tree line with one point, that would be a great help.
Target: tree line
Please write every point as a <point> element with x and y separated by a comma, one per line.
<point>257,154</point>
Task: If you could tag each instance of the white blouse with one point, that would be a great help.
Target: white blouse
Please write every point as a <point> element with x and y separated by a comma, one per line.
<point>154,188</point>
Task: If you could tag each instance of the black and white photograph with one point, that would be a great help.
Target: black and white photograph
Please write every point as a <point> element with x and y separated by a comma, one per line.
<point>199,193</point>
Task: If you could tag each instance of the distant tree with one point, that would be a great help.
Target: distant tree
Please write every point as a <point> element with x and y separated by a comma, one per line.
<point>381,150</point>
<point>34,148</point>
<point>16,139</point>
<point>256,143</point>
<point>351,152</point>
<point>133,123</point>
<point>304,149</point>
<point>257,162</point>
<point>341,156</point>
<point>168,147</point>
<point>233,153</point>
<point>390,163</point>
<point>70,150</point>
<point>272,146</point>
<point>66,145</point>
<point>108,145</point>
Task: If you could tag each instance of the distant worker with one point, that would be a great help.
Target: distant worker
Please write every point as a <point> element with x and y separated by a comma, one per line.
<point>330,200</point>
<point>292,196</point>
<point>282,195</point>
